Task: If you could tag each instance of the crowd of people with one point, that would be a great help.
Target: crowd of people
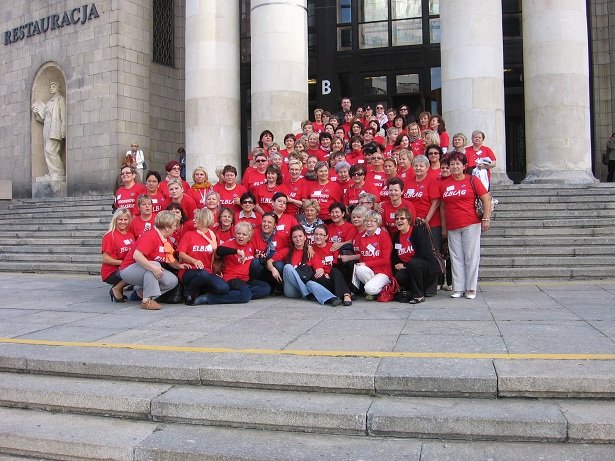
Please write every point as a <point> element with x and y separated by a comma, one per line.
<point>357,204</point>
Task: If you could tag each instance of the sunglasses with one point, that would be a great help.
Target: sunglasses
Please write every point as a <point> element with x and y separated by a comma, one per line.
<point>247,202</point>
<point>358,174</point>
<point>260,161</point>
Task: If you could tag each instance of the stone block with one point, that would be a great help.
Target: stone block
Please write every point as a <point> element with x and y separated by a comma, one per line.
<point>590,421</point>
<point>517,420</point>
<point>441,377</point>
<point>264,409</point>
<point>6,189</point>
<point>43,188</point>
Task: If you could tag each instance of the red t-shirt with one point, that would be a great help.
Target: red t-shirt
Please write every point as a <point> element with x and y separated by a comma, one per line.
<point>354,157</point>
<point>421,194</point>
<point>341,233</point>
<point>377,179</point>
<point>187,203</point>
<point>404,248</point>
<point>127,198</point>
<point>252,178</point>
<point>326,195</point>
<point>296,191</point>
<point>152,247</point>
<point>254,220</point>
<point>197,247</point>
<point>418,147</point>
<point>458,198</point>
<point>116,245</point>
<point>324,257</point>
<point>351,198</point>
<point>233,269</point>
<point>224,235</point>
<point>285,223</point>
<point>375,251</point>
<point>137,226</point>
<point>176,236</point>
<point>157,200</point>
<point>388,213</point>
<point>264,195</point>
<point>406,176</point>
<point>227,197</point>
<point>320,154</point>
<point>164,187</point>
<point>444,140</point>
<point>198,195</point>
<point>472,156</point>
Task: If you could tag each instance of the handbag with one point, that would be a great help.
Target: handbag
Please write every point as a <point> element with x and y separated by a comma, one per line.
<point>435,251</point>
<point>389,291</point>
<point>478,203</point>
<point>306,273</point>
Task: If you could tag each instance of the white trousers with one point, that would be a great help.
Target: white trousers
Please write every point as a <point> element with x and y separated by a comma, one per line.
<point>464,248</point>
<point>374,283</point>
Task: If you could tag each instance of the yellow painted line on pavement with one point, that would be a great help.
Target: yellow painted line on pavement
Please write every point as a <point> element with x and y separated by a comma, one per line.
<point>309,353</point>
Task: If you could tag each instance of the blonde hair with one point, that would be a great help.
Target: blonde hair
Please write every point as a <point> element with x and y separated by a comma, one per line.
<point>311,203</point>
<point>166,219</point>
<point>175,181</point>
<point>245,226</point>
<point>431,137</point>
<point>116,215</point>
<point>203,217</point>
<point>200,168</point>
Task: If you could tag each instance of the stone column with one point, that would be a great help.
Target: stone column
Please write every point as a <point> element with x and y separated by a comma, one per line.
<point>213,119</point>
<point>556,81</point>
<point>473,74</point>
<point>279,66</point>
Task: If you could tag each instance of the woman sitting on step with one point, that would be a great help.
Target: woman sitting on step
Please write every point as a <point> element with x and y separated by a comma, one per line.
<point>142,266</point>
<point>115,246</point>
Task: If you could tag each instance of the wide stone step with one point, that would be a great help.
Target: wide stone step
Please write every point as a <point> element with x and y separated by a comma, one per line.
<point>453,418</point>
<point>51,227</point>
<point>52,244</point>
<point>546,261</point>
<point>524,214</point>
<point>548,223</point>
<point>46,248</point>
<point>67,258</point>
<point>536,207</point>
<point>43,234</point>
<point>489,251</point>
<point>530,233</point>
<point>55,219</point>
<point>42,267</point>
<point>532,273</point>
<point>64,436</point>
<point>513,240</point>
<point>79,211</point>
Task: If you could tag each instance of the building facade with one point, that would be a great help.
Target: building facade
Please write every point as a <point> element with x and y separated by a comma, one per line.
<point>210,75</point>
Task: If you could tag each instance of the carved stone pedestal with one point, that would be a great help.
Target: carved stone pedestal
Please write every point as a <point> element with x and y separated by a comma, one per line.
<point>45,187</point>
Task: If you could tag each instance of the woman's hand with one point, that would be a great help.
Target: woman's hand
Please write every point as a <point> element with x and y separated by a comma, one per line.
<point>336,246</point>
<point>485,224</point>
<point>241,256</point>
<point>319,273</point>
<point>399,266</point>
<point>310,252</point>
<point>157,271</point>
<point>276,275</point>
<point>198,264</point>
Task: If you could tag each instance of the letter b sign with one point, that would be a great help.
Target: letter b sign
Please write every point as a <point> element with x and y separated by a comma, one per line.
<point>326,87</point>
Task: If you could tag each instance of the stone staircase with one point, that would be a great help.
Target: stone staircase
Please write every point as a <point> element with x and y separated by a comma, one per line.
<point>155,406</point>
<point>538,232</point>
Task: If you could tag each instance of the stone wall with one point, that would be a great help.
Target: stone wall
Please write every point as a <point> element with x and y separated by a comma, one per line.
<point>114,94</point>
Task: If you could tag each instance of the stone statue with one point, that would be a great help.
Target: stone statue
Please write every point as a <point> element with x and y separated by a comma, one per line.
<point>53,117</point>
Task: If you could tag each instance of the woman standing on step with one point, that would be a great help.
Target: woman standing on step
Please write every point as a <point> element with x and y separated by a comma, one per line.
<point>115,246</point>
<point>462,225</point>
<point>142,266</point>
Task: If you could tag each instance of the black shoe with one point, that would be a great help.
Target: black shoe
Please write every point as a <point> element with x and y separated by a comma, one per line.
<point>402,296</point>
<point>416,300</point>
<point>188,300</point>
<point>336,302</point>
<point>123,299</point>
<point>430,294</point>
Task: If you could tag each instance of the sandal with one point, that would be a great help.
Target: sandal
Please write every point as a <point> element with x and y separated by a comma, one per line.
<point>347,300</point>
<point>150,305</point>
<point>417,300</point>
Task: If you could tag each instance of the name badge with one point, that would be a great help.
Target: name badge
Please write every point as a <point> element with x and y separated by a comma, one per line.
<point>154,200</point>
<point>328,259</point>
<point>377,176</point>
<point>317,193</point>
<point>161,249</point>
<point>361,161</point>
<point>411,191</point>
<point>127,242</point>
<point>398,246</point>
<point>280,227</point>
<point>209,248</point>
<point>392,215</point>
<point>450,188</point>
<point>371,248</point>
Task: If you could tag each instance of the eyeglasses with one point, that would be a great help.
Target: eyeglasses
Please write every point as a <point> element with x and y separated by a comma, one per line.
<point>433,153</point>
<point>400,218</point>
<point>176,168</point>
<point>403,109</point>
<point>126,173</point>
<point>365,203</point>
<point>319,234</point>
<point>260,161</point>
<point>379,107</point>
<point>248,202</point>
<point>358,174</point>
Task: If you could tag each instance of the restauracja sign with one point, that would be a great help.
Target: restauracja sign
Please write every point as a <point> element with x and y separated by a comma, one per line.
<point>51,22</point>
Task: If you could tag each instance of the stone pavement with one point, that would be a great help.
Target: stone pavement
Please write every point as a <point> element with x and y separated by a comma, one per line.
<point>558,317</point>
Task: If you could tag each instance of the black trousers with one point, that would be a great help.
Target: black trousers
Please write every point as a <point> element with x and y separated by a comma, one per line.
<point>336,283</point>
<point>415,278</point>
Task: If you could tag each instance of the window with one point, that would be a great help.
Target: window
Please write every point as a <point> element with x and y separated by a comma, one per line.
<point>163,46</point>
<point>375,86</point>
<point>373,23</point>
<point>407,84</point>
<point>344,25</point>
<point>436,78</point>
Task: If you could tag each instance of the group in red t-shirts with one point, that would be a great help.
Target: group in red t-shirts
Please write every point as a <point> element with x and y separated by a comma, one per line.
<point>386,165</point>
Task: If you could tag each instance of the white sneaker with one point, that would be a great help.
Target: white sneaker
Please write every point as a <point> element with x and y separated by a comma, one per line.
<point>471,294</point>
<point>447,288</point>
<point>457,294</point>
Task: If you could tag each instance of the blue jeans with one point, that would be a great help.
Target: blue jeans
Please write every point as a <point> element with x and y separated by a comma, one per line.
<point>201,280</point>
<point>254,289</point>
<point>295,288</point>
